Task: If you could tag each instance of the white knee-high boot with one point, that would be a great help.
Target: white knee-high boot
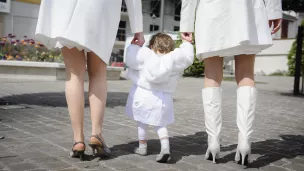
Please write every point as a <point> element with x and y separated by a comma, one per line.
<point>246,102</point>
<point>212,101</point>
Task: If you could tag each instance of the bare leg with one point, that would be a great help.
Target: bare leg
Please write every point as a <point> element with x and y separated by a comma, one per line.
<point>213,72</point>
<point>75,68</point>
<point>244,70</point>
<point>97,70</point>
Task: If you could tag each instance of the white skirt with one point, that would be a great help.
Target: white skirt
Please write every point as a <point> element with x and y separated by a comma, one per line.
<point>89,25</point>
<point>150,107</point>
<point>231,27</point>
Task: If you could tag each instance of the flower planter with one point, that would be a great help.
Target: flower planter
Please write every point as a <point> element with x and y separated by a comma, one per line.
<point>44,70</point>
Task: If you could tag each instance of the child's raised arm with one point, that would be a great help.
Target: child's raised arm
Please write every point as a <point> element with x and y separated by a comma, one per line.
<point>183,57</point>
<point>159,69</point>
<point>135,56</point>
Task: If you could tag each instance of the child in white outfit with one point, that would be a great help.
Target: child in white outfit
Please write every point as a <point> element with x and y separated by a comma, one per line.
<point>154,72</point>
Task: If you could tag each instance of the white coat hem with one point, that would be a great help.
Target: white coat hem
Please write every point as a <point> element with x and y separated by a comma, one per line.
<point>59,42</point>
<point>233,51</point>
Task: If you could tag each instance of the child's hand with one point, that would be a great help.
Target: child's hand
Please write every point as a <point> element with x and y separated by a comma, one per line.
<point>187,36</point>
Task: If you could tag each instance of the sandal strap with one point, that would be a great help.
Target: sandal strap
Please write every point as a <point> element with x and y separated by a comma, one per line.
<point>99,139</point>
<point>79,142</point>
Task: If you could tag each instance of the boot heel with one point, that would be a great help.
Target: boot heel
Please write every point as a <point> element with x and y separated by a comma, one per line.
<point>245,157</point>
<point>214,154</point>
<point>242,157</point>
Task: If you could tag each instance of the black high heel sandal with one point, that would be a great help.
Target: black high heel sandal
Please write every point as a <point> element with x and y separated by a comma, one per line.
<point>78,153</point>
<point>99,148</point>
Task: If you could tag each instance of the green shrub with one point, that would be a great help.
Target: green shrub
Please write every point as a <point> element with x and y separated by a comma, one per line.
<point>279,73</point>
<point>197,68</point>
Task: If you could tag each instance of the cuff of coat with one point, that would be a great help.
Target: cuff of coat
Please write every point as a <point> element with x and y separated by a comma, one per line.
<point>137,29</point>
<point>272,15</point>
<point>186,28</point>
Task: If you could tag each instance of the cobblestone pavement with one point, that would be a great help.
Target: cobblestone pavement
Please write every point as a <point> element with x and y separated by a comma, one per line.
<point>38,134</point>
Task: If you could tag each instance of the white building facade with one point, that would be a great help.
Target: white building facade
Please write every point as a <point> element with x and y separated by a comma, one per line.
<point>22,16</point>
<point>21,19</point>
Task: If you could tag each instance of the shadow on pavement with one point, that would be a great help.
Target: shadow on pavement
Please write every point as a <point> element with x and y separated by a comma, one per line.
<point>291,95</point>
<point>181,146</point>
<point>57,99</point>
<point>272,150</point>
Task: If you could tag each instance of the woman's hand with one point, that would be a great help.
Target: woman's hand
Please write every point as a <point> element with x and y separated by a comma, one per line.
<point>187,36</point>
<point>138,39</point>
<point>276,25</point>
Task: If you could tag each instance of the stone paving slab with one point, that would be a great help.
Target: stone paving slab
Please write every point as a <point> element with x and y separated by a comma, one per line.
<point>38,135</point>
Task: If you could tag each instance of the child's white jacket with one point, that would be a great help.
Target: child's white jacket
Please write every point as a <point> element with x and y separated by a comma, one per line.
<point>158,72</point>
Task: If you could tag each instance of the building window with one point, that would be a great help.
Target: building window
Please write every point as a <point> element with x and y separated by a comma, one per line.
<point>176,28</point>
<point>154,28</point>
<point>123,6</point>
<point>117,55</point>
<point>284,31</point>
<point>121,33</point>
<point>155,8</point>
<point>178,8</point>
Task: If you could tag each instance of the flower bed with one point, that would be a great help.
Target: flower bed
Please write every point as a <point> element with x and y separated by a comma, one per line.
<point>27,50</point>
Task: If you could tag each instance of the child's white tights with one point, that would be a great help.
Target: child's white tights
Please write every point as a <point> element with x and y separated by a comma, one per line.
<point>161,131</point>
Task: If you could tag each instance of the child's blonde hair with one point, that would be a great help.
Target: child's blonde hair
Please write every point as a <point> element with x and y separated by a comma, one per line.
<point>161,43</point>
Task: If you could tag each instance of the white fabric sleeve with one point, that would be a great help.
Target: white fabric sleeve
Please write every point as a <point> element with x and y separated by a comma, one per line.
<point>274,9</point>
<point>183,57</point>
<point>188,15</point>
<point>134,8</point>
<point>135,56</point>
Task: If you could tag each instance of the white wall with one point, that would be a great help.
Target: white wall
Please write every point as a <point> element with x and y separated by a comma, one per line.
<point>22,19</point>
<point>272,59</point>
<point>266,65</point>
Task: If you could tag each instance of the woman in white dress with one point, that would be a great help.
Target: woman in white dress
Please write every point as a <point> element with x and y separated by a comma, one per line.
<point>86,29</point>
<point>223,28</point>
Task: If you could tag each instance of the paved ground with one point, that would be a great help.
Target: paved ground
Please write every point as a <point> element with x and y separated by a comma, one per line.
<point>39,136</point>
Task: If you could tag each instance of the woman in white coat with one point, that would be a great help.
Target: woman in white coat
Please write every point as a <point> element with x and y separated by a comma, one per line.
<point>223,28</point>
<point>86,30</point>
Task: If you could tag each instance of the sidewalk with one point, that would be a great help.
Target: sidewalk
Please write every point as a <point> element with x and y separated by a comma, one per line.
<point>38,134</point>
